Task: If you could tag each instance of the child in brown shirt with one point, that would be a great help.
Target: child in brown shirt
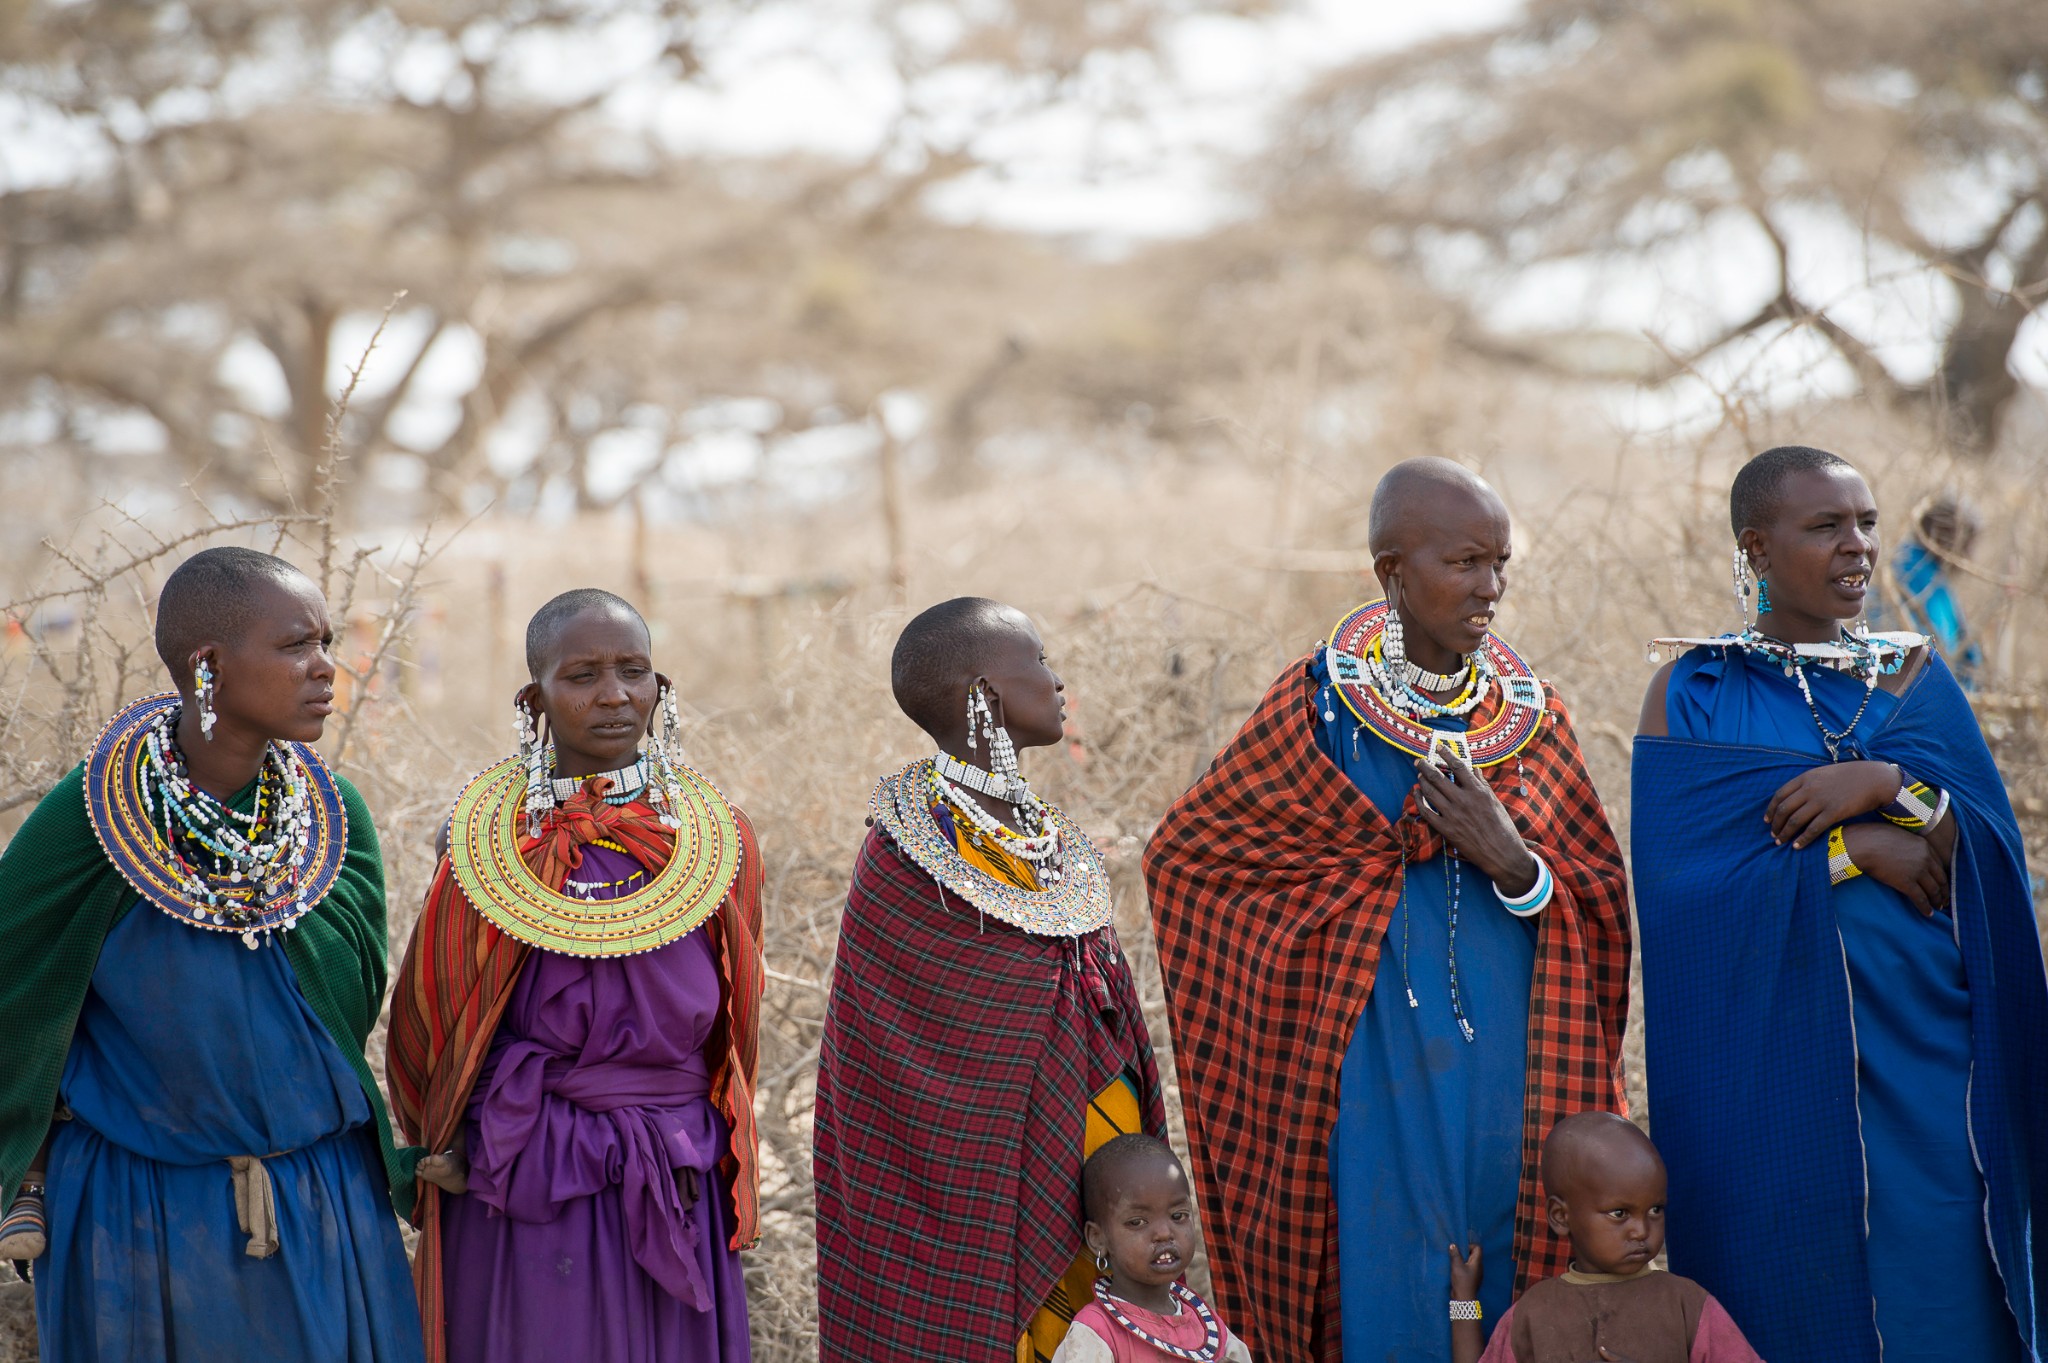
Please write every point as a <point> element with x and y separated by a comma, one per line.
<point>1604,1183</point>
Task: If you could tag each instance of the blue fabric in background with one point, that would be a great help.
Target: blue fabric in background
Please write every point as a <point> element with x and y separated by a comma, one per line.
<point>1799,1033</point>
<point>1427,1149</point>
<point>192,1048</point>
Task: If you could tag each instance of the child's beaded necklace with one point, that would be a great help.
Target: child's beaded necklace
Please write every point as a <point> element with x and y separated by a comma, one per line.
<point>1212,1330</point>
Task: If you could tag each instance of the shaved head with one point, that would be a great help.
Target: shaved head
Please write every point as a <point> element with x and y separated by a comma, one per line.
<point>941,652</point>
<point>1415,490</point>
<point>211,598</point>
<point>1589,1150</point>
<point>545,629</point>
<point>1103,1175</point>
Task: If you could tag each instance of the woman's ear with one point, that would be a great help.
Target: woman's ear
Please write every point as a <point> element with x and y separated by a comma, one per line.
<point>1386,567</point>
<point>1756,548</point>
<point>661,684</point>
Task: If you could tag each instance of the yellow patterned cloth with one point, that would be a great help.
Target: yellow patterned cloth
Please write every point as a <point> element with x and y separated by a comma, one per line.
<point>1111,1113</point>
<point>984,853</point>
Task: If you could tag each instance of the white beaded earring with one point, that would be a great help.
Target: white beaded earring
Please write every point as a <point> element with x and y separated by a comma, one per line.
<point>1394,642</point>
<point>668,787</point>
<point>533,755</point>
<point>202,693</point>
<point>1744,585</point>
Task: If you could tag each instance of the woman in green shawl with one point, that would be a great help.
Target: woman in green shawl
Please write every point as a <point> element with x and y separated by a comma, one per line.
<point>192,954</point>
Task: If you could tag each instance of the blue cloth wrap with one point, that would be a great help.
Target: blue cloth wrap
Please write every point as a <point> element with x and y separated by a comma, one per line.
<point>191,1048</point>
<point>1821,1055</point>
<point>1427,1149</point>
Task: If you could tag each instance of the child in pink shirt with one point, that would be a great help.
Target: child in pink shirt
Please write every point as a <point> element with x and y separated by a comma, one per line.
<point>1604,1184</point>
<point>1141,1229</point>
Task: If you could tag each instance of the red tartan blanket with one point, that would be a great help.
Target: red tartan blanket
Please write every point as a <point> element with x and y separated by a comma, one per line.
<point>1271,884</point>
<point>953,1085</point>
<point>458,977</point>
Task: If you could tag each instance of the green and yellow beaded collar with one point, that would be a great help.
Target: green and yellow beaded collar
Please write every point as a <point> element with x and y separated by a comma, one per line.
<point>484,853</point>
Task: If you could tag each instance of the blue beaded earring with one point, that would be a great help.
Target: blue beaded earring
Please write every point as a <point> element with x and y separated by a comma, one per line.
<point>1763,597</point>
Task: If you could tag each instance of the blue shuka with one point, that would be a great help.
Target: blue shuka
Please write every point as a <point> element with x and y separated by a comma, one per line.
<point>1852,1098</point>
<point>1427,1149</point>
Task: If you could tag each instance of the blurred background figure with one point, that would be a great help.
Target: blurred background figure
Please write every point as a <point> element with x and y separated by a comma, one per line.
<point>1920,594</point>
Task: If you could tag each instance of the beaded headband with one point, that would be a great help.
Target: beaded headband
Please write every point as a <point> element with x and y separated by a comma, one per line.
<point>1492,740</point>
<point>1078,904</point>
<point>115,804</point>
<point>484,843</point>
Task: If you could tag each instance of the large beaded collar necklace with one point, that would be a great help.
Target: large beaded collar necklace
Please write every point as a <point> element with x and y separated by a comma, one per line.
<point>1211,1347</point>
<point>1073,905</point>
<point>485,841</point>
<point>1387,700</point>
<point>1857,652</point>
<point>190,855</point>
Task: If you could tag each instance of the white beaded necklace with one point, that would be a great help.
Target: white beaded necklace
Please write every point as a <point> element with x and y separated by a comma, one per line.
<point>1039,845</point>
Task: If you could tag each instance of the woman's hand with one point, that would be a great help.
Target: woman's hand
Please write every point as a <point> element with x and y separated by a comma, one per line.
<point>1905,861</point>
<point>448,1171</point>
<point>1811,803</point>
<point>1458,803</point>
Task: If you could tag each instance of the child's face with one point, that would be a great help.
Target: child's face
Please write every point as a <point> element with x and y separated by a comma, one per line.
<point>1150,1236</point>
<point>1615,1218</point>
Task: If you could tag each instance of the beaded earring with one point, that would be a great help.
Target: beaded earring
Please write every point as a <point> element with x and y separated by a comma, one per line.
<point>1394,642</point>
<point>533,755</point>
<point>980,718</point>
<point>668,787</point>
<point>1763,597</point>
<point>202,693</point>
<point>1743,581</point>
<point>1002,753</point>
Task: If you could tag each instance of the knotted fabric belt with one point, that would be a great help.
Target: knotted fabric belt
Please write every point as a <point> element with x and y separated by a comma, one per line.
<point>255,1204</point>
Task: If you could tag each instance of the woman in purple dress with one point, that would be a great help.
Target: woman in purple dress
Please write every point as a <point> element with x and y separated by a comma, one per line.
<point>590,1103</point>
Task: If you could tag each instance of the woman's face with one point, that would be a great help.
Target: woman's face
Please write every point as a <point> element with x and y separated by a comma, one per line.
<point>276,682</point>
<point>1816,556</point>
<point>598,693</point>
<point>1023,691</point>
<point>1447,578</point>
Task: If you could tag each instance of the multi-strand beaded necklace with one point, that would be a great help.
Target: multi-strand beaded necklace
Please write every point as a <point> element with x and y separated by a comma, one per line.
<point>1039,843</point>
<point>227,863</point>
<point>1868,657</point>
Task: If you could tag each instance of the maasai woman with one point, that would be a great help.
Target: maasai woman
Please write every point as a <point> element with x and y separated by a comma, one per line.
<point>983,1035</point>
<point>590,1103</point>
<point>1846,1015</point>
<point>191,958</point>
<point>1393,927</point>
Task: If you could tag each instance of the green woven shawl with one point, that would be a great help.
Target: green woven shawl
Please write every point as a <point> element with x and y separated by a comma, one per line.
<point>60,896</point>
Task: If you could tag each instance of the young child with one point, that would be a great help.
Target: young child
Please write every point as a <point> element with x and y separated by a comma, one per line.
<point>1604,1183</point>
<point>1141,1229</point>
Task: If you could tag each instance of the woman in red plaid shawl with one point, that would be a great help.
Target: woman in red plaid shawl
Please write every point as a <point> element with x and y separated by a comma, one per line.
<point>983,1035</point>
<point>1393,925</point>
<point>591,1100</point>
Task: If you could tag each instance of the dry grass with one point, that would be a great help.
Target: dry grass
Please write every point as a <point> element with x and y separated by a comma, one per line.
<point>1164,600</point>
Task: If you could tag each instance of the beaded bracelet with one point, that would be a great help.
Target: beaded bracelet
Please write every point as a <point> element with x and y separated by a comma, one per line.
<point>1465,1310</point>
<point>1918,807</point>
<point>1840,868</point>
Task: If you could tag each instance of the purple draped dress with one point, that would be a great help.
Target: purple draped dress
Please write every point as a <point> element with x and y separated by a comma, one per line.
<point>597,1227</point>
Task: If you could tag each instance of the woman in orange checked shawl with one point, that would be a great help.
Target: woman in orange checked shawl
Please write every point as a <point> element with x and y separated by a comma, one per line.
<point>592,1102</point>
<point>1388,979</point>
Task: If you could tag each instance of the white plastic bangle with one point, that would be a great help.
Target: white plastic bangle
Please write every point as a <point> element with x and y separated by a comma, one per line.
<point>1531,902</point>
<point>1465,1310</point>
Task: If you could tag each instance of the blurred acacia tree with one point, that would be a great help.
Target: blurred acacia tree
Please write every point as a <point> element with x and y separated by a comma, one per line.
<point>1914,130</point>
<point>236,179</point>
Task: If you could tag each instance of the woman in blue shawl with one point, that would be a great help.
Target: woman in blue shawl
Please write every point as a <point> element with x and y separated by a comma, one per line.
<point>1845,1007</point>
